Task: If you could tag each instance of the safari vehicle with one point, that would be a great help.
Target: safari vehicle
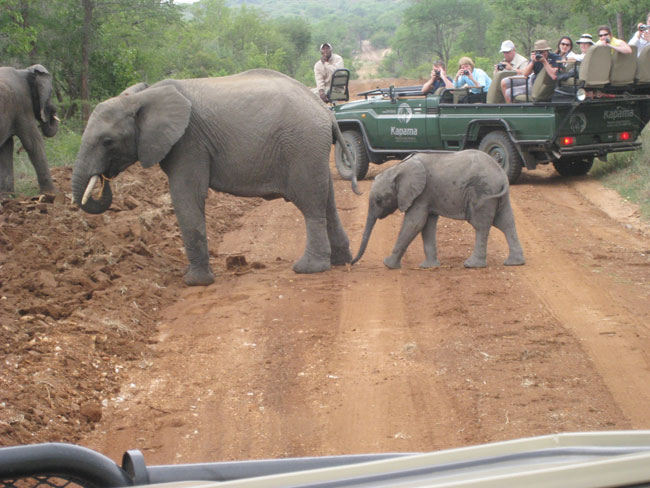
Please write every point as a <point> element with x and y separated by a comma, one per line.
<point>590,459</point>
<point>595,108</point>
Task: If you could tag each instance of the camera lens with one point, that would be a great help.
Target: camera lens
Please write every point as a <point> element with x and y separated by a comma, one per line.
<point>437,72</point>
<point>466,73</point>
<point>538,57</point>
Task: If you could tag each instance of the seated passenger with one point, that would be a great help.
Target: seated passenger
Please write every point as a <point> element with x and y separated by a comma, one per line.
<point>512,60</point>
<point>541,59</point>
<point>439,79</point>
<point>585,42</point>
<point>641,38</point>
<point>605,38</point>
<point>564,48</point>
<point>470,76</point>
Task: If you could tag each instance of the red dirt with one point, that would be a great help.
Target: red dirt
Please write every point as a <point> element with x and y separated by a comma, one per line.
<point>104,346</point>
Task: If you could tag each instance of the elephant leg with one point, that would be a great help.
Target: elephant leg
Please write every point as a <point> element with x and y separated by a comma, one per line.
<point>478,259</point>
<point>414,221</point>
<point>505,222</point>
<point>188,197</point>
<point>339,243</point>
<point>429,241</point>
<point>7,167</point>
<point>35,147</point>
<point>317,252</point>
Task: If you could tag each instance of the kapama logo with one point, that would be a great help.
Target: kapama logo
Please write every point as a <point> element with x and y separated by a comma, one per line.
<point>404,113</point>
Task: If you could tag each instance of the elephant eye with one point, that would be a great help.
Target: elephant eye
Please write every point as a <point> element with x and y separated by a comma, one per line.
<point>107,142</point>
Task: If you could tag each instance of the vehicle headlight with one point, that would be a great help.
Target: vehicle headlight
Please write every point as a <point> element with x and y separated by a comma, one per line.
<point>581,95</point>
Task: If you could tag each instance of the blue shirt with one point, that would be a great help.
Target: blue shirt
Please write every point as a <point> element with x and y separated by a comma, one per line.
<point>481,78</point>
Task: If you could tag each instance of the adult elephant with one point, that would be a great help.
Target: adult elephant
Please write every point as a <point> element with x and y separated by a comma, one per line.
<point>255,134</point>
<point>26,112</point>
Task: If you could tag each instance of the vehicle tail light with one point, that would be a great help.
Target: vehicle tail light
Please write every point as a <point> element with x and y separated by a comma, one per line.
<point>624,136</point>
<point>567,141</point>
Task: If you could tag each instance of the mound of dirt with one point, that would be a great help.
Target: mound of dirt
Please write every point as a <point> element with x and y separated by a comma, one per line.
<point>80,296</point>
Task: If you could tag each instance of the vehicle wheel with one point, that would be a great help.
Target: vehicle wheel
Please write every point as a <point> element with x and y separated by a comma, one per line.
<point>354,140</point>
<point>503,151</point>
<point>575,167</point>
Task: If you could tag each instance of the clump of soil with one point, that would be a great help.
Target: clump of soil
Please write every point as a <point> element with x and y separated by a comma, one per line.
<point>80,296</point>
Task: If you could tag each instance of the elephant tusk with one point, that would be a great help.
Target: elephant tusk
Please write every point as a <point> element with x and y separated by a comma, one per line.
<point>89,189</point>
<point>57,119</point>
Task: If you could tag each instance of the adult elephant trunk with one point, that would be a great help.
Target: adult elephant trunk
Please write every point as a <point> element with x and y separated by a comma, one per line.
<point>83,186</point>
<point>370,223</point>
<point>50,127</point>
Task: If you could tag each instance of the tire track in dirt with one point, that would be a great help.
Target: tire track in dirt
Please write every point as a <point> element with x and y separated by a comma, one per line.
<point>607,314</point>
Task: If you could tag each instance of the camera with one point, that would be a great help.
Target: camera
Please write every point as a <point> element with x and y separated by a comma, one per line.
<point>466,73</point>
<point>501,66</point>
<point>608,40</point>
<point>538,55</point>
<point>644,27</point>
<point>437,73</point>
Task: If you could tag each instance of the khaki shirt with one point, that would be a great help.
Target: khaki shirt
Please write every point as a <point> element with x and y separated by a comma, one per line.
<point>519,62</point>
<point>323,71</point>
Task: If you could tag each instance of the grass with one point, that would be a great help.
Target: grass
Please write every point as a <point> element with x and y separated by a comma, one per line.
<point>629,174</point>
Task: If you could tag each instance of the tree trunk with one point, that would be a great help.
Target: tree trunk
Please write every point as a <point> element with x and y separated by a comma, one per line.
<point>619,26</point>
<point>85,58</point>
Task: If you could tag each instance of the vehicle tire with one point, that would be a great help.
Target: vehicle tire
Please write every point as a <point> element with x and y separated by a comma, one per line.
<point>503,151</point>
<point>573,167</point>
<point>354,141</point>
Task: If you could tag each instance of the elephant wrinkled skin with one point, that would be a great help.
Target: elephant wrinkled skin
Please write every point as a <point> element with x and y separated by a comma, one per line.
<point>26,107</point>
<point>255,134</point>
<point>467,185</point>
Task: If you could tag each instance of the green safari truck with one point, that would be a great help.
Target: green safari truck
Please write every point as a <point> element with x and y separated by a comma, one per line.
<point>574,124</point>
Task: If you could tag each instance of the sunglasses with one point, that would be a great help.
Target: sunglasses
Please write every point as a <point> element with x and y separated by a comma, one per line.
<point>603,34</point>
<point>564,44</point>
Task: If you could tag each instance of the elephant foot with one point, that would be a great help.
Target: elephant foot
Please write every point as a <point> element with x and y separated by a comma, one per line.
<point>430,264</point>
<point>392,262</point>
<point>198,276</point>
<point>515,260</point>
<point>341,257</point>
<point>473,262</point>
<point>308,265</point>
<point>48,190</point>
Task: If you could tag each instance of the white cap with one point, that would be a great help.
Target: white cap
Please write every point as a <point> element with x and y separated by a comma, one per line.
<point>325,44</point>
<point>507,46</point>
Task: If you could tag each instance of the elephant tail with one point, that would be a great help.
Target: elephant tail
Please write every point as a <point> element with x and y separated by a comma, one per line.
<point>484,198</point>
<point>338,137</point>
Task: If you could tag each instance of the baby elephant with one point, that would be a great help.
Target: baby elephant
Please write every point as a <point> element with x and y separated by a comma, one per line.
<point>467,185</point>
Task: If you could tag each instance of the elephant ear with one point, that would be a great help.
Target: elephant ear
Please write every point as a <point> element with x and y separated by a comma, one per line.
<point>410,180</point>
<point>162,116</point>
<point>138,87</point>
<point>41,87</point>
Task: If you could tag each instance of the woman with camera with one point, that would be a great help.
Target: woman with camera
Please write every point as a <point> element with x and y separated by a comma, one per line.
<point>605,38</point>
<point>641,37</point>
<point>471,76</point>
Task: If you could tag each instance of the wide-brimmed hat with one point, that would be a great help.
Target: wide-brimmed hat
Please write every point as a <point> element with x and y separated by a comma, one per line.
<point>507,46</point>
<point>585,39</point>
<point>541,45</point>
<point>325,44</point>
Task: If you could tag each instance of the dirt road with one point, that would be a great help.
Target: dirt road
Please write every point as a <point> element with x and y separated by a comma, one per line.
<point>268,363</point>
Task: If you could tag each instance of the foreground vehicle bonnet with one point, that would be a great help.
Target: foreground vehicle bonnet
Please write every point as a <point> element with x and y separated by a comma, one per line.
<point>593,459</point>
